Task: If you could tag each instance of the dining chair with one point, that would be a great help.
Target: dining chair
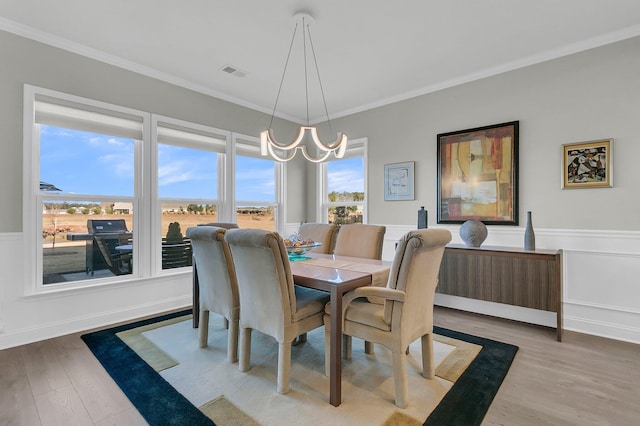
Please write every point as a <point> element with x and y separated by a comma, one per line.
<point>320,232</point>
<point>217,283</point>
<point>196,288</point>
<point>359,240</point>
<point>406,313</point>
<point>269,300</point>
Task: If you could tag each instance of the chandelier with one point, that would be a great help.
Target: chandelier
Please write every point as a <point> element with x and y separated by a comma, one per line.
<point>286,152</point>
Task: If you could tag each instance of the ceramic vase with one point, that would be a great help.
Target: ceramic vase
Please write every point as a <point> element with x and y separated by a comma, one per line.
<point>422,218</point>
<point>473,233</point>
<point>529,235</point>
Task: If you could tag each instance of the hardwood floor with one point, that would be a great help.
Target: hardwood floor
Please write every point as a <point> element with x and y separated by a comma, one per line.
<point>584,380</point>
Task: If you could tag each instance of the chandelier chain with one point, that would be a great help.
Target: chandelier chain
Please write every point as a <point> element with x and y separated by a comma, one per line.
<point>284,72</point>
<point>324,101</point>
<point>304,54</point>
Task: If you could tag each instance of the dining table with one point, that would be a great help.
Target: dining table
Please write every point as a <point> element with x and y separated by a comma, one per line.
<point>337,275</point>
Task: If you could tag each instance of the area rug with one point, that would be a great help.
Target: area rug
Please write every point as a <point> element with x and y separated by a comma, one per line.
<point>173,395</point>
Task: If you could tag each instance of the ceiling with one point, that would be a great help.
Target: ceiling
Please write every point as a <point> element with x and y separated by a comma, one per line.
<point>369,52</point>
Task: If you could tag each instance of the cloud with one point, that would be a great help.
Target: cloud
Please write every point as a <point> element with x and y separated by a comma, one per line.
<point>345,180</point>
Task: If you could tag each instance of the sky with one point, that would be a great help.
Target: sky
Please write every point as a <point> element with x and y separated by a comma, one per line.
<point>81,162</point>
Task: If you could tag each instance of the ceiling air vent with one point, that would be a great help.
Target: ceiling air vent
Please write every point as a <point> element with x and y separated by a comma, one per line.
<point>229,69</point>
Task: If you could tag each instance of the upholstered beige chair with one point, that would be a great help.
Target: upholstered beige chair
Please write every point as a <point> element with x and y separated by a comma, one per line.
<point>358,240</point>
<point>406,313</point>
<point>217,284</point>
<point>269,300</point>
<point>196,286</point>
<point>321,232</point>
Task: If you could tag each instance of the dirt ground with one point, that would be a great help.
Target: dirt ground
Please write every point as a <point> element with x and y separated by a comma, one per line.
<point>70,256</point>
<point>77,223</point>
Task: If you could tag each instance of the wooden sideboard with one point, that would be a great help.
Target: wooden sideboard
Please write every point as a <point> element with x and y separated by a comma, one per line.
<point>509,275</point>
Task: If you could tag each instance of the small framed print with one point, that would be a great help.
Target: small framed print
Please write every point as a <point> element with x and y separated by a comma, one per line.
<point>587,164</point>
<point>398,181</point>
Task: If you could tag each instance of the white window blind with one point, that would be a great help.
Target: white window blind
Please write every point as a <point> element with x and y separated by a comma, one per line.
<point>171,134</point>
<point>60,113</point>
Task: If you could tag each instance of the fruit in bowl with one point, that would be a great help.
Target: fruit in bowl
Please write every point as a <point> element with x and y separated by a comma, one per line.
<point>299,247</point>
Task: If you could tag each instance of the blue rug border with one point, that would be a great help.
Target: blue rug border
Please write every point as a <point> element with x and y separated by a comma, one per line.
<point>159,403</point>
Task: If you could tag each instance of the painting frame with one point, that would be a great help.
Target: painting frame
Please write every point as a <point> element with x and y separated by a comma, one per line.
<point>484,190</point>
<point>399,184</point>
<point>583,165</point>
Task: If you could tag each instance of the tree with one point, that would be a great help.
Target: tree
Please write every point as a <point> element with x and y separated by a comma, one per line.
<point>174,234</point>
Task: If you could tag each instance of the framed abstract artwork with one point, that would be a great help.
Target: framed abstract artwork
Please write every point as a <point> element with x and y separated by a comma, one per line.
<point>398,181</point>
<point>478,175</point>
<point>587,164</point>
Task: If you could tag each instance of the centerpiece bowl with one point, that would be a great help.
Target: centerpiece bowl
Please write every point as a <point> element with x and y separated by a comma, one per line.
<point>299,248</point>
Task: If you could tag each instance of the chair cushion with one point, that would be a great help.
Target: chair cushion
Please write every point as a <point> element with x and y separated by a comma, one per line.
<point>309,302</point>
<point>364,312</point>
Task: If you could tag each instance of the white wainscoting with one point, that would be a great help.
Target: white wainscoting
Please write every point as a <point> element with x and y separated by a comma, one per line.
<point>25,319</point>
<point>601,289</point>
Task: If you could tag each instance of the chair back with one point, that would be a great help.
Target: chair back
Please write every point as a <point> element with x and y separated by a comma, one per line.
<point>216,271</point>
<point>359,240</point>
<point>265,283</point>
<point>415,270</point>
<point>118,264</point>
<point>321,232</point>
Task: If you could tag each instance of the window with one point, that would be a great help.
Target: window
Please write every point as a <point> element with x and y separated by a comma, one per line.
<point>86,170</point>
<point>111,191</point>
<point>258,187</point>
<point>190,163</point>
<point>343,186</point>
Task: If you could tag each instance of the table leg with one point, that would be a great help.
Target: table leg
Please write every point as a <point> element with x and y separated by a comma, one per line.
<point>335,360</point>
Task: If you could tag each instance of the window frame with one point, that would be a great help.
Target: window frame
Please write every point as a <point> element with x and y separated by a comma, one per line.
<point>355,148</point>
<point>157,201</point>
<point>280,171</point>
<point>33,197</point>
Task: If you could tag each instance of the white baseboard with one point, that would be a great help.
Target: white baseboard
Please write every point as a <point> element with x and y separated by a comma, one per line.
<point>518,313</point>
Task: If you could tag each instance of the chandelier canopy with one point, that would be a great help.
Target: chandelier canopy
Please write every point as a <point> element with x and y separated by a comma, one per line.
<point>307,135</point>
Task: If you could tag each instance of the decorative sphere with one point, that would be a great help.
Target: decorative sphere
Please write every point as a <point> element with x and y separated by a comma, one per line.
<point>473,233</point>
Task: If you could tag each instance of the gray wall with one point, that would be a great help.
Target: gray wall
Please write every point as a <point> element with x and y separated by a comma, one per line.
<point>590,95</point>
<point>26,61</point>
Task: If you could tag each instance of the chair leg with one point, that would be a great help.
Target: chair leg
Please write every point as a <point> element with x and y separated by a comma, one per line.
<point>346,346</point>
<point>232,342</point>
<point>368,348</point>
<point>400,378</point>
<point>428,368</point>
<point>203,331</point>
<point>245,349</point>
<point>284,367</point>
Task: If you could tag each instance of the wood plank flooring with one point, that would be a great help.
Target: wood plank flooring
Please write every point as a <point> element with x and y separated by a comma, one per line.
<point>584,380</point>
